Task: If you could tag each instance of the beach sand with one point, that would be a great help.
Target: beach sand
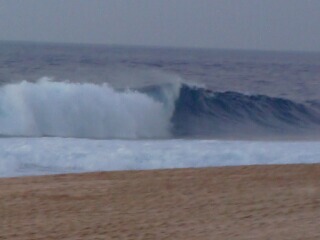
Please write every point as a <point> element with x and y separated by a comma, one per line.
<point>254,202</point>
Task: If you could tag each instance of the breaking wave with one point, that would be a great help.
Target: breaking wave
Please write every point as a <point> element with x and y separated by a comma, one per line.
<point>86,110</point>
<point>80,110</point>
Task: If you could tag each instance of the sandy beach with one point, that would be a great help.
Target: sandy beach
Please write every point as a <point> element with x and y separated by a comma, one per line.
<point>254,202</point>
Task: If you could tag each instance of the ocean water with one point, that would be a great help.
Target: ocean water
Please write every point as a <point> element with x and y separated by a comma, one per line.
<point>77,108</point>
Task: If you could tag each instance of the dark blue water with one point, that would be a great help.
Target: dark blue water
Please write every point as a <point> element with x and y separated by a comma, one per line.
<point>223,93</point>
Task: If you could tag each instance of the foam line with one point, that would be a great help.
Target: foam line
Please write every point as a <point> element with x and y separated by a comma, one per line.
<point>38,156</point>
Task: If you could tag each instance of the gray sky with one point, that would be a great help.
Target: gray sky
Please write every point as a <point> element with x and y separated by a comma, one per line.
<point>240,24</point>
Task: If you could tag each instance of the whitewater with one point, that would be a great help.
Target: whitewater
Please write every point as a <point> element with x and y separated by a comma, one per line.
<point>70,109</point>
<point>41,156</point>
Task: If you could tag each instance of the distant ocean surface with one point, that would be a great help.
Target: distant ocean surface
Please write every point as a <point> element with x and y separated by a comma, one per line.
<point>77,108</point>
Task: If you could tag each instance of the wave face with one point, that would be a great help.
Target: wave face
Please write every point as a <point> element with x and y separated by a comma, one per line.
<point>80,110</point>
<point>85,110</point>
<point>201,112</point>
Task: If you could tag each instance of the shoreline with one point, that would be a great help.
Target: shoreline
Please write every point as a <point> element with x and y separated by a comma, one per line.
<point>234,202</point>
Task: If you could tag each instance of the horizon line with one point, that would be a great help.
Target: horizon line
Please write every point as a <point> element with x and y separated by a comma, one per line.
<point>157,46</point>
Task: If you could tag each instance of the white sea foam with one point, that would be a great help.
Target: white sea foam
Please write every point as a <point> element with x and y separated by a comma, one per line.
<point>37,156</point>
<point>79,110</point>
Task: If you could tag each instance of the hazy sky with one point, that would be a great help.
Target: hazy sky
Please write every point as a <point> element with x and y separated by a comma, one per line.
<point>241,24</point>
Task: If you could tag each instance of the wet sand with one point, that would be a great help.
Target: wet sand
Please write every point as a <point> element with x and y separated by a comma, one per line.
<point>256,202</point>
